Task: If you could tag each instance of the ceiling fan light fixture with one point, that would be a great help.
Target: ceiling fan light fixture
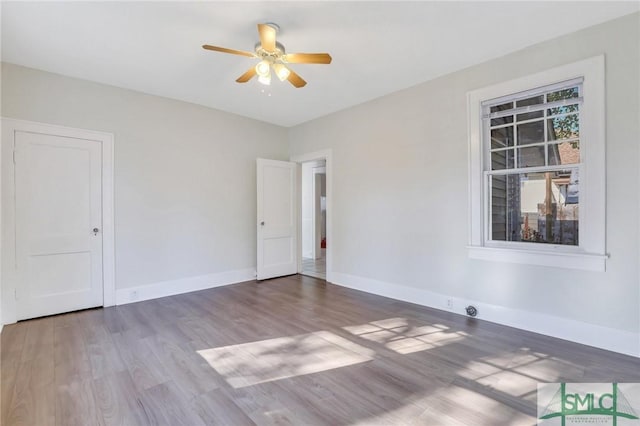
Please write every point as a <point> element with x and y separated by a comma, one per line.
<point>265,79</point>
<point>281,71</point>
<point>262,68</point>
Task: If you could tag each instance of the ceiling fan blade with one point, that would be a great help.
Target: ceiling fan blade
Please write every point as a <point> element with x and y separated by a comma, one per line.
<point>267,37</point>
<point>225,50</point>
<point>296,80</point>
<point>308,58</point>
<point>251,72</point>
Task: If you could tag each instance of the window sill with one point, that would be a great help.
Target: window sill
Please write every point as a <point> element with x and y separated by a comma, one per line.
<point>584,261</point>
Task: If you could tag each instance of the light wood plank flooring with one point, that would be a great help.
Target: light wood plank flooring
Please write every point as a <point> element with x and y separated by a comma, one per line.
<point>293,350</point>
<point>315,267</point>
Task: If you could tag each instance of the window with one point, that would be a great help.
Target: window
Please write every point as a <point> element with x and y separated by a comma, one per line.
<point>532,146</point>
<point>537,168</point>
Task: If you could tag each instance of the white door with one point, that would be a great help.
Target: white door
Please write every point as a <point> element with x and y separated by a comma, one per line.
<point>58,184</point>
<point>277,239</point>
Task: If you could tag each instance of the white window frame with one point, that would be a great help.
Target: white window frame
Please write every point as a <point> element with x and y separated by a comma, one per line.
<point>591,252</point>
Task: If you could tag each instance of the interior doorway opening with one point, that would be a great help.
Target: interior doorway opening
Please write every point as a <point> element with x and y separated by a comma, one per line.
<point>314,218</point>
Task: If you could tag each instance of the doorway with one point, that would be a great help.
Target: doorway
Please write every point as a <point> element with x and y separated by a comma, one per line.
<point>315,241</point>
<point>314,218</point>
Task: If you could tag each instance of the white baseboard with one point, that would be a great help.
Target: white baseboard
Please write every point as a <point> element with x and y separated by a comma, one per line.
<point>182,285</point>
<point>611,339</point>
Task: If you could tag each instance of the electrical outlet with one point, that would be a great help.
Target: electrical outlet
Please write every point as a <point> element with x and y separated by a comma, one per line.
<point>450,304</point>
<point>133,295</point>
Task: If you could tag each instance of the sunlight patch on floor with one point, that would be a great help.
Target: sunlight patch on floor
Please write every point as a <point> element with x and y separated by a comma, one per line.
<point>477,369</point>
<point>400,336</point>
<point>450,405</point>
<point>251,363</point>
<point>550,370</point>
<point>398,416</point>
<point>510,383</point>
<point>518,373</point>
<point>476,407</point>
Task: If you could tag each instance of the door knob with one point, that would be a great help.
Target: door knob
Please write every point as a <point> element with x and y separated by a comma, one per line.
<point>95,231</point>
<point>262,223</point>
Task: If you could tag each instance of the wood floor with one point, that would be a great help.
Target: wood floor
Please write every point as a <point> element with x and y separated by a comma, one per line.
<point>293,350</point>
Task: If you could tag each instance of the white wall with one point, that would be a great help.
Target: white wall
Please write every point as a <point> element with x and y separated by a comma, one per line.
<point>322,222</point>
<point>400,198</point>
<point>1,234</point>
<point>185,175</point>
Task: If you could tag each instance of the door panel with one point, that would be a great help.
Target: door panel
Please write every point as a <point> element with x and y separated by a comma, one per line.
<point>58,204</point>
<point>59,273</point>
<point>277,251</point>
<point>276,207</point>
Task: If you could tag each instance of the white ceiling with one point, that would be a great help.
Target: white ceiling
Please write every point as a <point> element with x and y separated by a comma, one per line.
<point>377,47</point>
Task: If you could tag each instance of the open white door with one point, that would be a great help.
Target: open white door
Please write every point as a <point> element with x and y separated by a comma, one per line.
<point>277,233</point>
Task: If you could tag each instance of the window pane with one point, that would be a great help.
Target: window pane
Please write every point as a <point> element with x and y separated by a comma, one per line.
<point>502,120</point>
<point>501,138</point>
<point>530,101</point>
<point>531,157</point>
<point>502,107</point>
<point>530,115</point>
<point>565,109</point>
<point>563,94</point>
<point>531,132</point>
<point>536,207</point>
<point>566,127</point>
<point>564,153</point>
<point>501,193</point>
<point>501,160</point>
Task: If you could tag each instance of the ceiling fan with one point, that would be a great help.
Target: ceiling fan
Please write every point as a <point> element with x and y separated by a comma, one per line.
<point>273,56</point>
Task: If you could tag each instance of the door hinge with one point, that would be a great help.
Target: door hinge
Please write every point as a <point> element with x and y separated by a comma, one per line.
<point>14,156</point>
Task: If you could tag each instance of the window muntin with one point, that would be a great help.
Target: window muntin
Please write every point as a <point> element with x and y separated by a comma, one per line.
<point>533,144</point>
